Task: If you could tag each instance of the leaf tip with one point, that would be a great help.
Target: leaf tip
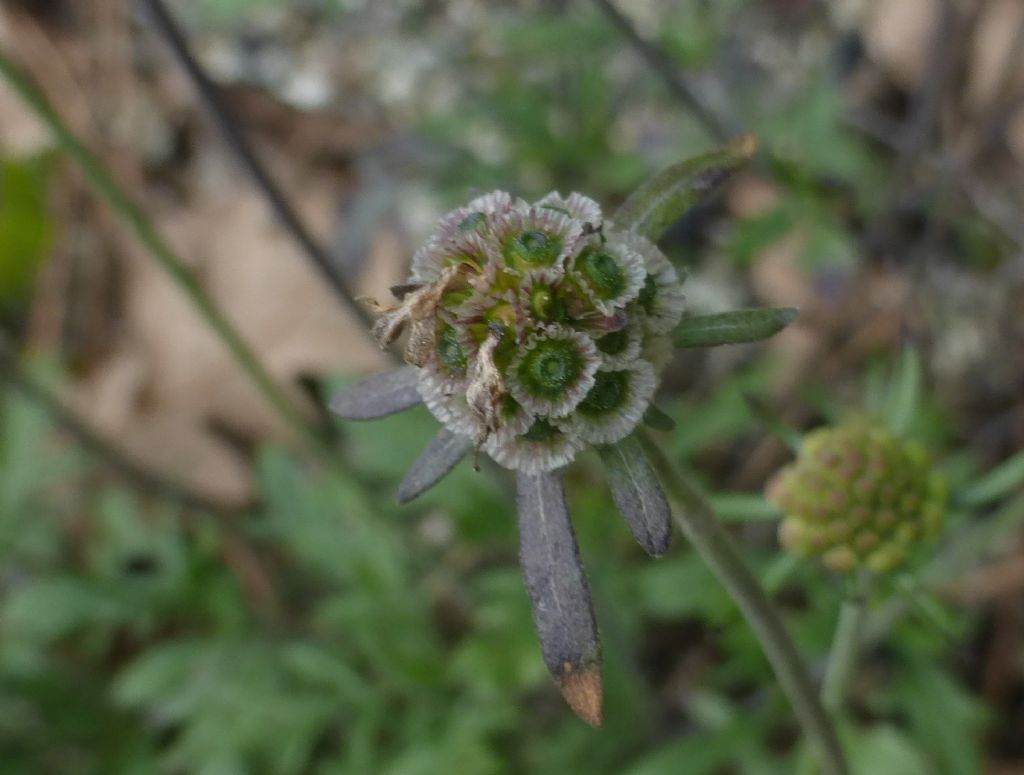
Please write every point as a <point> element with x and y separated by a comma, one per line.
<point>659,547</point>
<point>583,691</point>
<point>788,314</point>
<point>339,404</point>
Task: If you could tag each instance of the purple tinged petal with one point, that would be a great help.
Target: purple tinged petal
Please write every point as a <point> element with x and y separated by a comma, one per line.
<point>638,495</point>
<point>557,586</point>
<point>378,396</point>
<point>442,454</point>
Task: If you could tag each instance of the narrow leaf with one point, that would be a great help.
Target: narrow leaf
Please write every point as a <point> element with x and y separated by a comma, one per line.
<point>442,454</point>
<point>1000,481</point>
<point>905,392</point>
<point>736,327</point>
<point>638,495</point>
<point>658,420</point>
<point>378,396</point>
<point>666,197</point>
<point>558,592</point>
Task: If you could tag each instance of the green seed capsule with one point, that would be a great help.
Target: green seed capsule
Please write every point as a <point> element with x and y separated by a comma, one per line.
<point>532,248</point>
<point>545,305</point>
<point>610,391</point>
<point>549,369</point>
<point>614,343</point>
<point>541,430</point>
<point>601,271</point>
<point>648,294</point>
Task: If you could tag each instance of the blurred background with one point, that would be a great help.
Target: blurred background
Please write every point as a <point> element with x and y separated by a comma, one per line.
<point>185,587</point>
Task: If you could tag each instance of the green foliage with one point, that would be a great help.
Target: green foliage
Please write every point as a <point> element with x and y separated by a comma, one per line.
<point>400,640</point>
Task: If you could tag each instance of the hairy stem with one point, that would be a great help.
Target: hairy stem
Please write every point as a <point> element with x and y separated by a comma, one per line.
<point>100,178</point>
<point>696,519</point>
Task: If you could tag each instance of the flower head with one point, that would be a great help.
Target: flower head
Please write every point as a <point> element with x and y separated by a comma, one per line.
<point>534,325</point>
<point>536,330</point>
<point>858,496</point>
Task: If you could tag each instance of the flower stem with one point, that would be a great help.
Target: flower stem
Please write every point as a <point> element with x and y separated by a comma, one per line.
<point>697,520</point>
<point>845,644</point>
<point>102,181</point>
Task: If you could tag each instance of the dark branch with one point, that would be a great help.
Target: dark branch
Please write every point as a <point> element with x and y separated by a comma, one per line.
<point>209,95</point>
<point>660,62</point>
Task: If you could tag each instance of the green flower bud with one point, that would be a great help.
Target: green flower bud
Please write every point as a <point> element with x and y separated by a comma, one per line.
<point>858,496</point>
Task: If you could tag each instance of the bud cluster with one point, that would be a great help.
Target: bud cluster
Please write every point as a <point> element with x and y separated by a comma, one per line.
<point>858,496</point>
<point>537,329</point>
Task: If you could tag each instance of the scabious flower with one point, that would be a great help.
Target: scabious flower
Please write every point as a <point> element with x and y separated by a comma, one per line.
<point>858,496</point>
<point>535,331</point>
<point>531,327</point>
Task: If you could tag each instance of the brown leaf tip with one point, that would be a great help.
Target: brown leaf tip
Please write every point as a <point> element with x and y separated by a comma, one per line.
<point>582,690</point>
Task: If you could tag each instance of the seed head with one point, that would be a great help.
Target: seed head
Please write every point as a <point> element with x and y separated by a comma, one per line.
<point>537,329</point>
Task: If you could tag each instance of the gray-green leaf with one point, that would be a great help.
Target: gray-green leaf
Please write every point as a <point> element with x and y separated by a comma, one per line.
<point>378,396</point>
<point>666,197</point>
<point>1000,481</point>
<point>442,454</point>
<point>905,391</point>
<point>557,586</point>
<point>736,327</point>
<point>638,495</point>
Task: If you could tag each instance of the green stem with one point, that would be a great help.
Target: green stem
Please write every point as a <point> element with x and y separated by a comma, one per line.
<point>696,519</point>
<point>842,658</point>
<point>99,177</point>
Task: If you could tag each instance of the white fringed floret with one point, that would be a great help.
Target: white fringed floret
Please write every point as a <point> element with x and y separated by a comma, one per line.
<point>615,424</point>
<point>534,457</point>
<point>629,262</point>
<point>582,208</point>
<point>669,300</point>
<point>574,393</point>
